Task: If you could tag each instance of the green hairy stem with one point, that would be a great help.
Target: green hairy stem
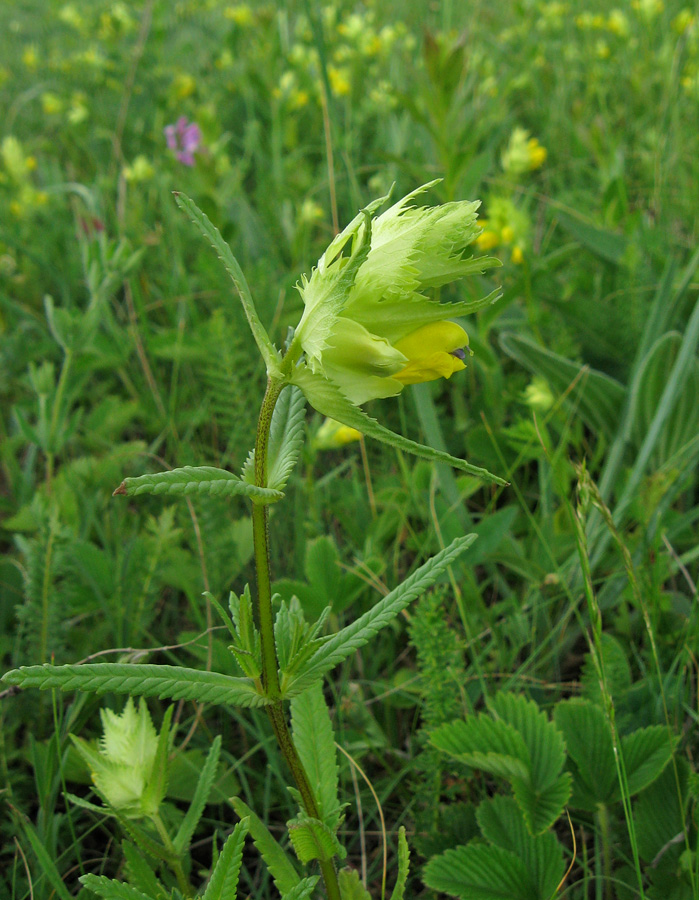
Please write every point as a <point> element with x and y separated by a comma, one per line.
<point>270,665</point>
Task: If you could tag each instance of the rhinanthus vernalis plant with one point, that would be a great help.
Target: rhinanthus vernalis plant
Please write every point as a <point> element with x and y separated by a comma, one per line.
<point>370,327</point>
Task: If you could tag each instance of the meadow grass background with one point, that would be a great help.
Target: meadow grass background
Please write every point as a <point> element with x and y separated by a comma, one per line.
<point>123,350</point>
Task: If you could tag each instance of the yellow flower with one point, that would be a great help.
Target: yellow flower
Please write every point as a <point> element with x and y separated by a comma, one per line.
<point>333,434</point>
<point>240,14</point>
<point>487,240</point>
<point>339,82</point>
<point>30,56</point>
<point>517,256</point>
<point>51,103</point>
<point>522,154</point>
<point>433,351</point>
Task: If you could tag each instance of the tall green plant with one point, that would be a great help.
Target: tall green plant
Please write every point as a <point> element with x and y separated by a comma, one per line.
<point>368,329</point>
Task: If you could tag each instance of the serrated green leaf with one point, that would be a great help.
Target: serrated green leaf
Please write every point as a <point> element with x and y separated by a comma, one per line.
<point>171,682</point>
<point>541,737</point>
<point>196,480</point>
<point>351,887</point>
<point>658,816</point>
<point>139,873</point>
<point>349,639</point>
<point>325,397</point>
<point>484,743</point>
<point>646,752</point>
<point>200,799</point>
<point>202,221</point>
<point>598,399</point>
<point>110,889</point>
<point>315,743</point>
<point>280,867</point>
<point>312,839</point>
<point>501,821</point>
<point>542,807</point>
<point>285,440</point>
<point>589,742</point>
<point>403,866</point>
<point>156,785</point>
<point>479,872</point>
<point>303,889</point>
<point>224,878</point>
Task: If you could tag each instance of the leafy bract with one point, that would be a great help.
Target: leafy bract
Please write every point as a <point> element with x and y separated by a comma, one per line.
<point>315,743</point>
<point>348,640</point>
<point>403,866</point>
<point>201,796</point>
<point>285,440</point>
<point>197,480</point>
<point>351,887</point>
<point>312,839</point>
<point>262,339</point>
<point>224,878</point>
<point>324,396</point>
<point>111,889</point>
<point>173,682</point>
<point>280,867</point>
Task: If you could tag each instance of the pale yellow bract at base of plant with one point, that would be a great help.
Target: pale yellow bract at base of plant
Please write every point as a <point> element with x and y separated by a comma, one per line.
<point>368,326</point>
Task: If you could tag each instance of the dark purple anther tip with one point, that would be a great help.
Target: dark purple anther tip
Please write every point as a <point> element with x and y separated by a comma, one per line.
<point>459,353</point>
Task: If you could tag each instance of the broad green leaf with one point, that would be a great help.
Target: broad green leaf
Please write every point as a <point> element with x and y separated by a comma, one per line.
<point>543,740</point>
<point>140,875</point>
<point>657,814</point>
<point>224,878</point>
<point>312,839</point>
<point>485,743</point>
<point>280,867</point>
<point>403,865</point>
<point>202,221</point>
<point>501,822</point>
<point>617,672</point>
<point>315,742</point>
<point>646,752</point>
<point>608,245</point>
<point>541,807</point>
<point>597,398</point>
<point>682,423</point>
<point>588,739</point>
<point>324,396</point>
<point>48,866</point>
<point>285,440</point>
<point>172,682</point>
<point>351,887</point>
<point>303,889</point>
<point>196,480</point>
<point>349,639</point>
<point>110,889</point>
<point>479,872</point>
<point>200,799</point>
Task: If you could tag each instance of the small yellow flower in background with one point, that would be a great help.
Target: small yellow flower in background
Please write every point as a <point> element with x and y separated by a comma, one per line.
<point>310,212</point>
<point>130,768</point>
<point>522,154</point>
<point>648,9</point>
<point>339,81</point>
<point>51,104</point>
<point>183,86</point>
<point>240,14</point>
<point>70,15</point>
<point>78,111</point>
<point>618,23</point>
<point>332,434</point>
<point>602,49</point>
<point>30,56</point>
<point>140,170</point>
<point>538,395</point>
<point>506,225</point>
<point>684,20</point>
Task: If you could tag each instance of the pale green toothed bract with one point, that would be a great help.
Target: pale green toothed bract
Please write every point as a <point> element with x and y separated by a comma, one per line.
<point>123,769</point>
<point>368,326</point>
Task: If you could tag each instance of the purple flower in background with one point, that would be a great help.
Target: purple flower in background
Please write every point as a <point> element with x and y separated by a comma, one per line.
<point>184,138</point>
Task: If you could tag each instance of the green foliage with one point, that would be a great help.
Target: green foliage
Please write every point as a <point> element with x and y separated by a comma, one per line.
<point>196,480</point>
<point>315,742</point>
<point>277,861</point>
<point>224,878</point>
<point>313,839</point>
